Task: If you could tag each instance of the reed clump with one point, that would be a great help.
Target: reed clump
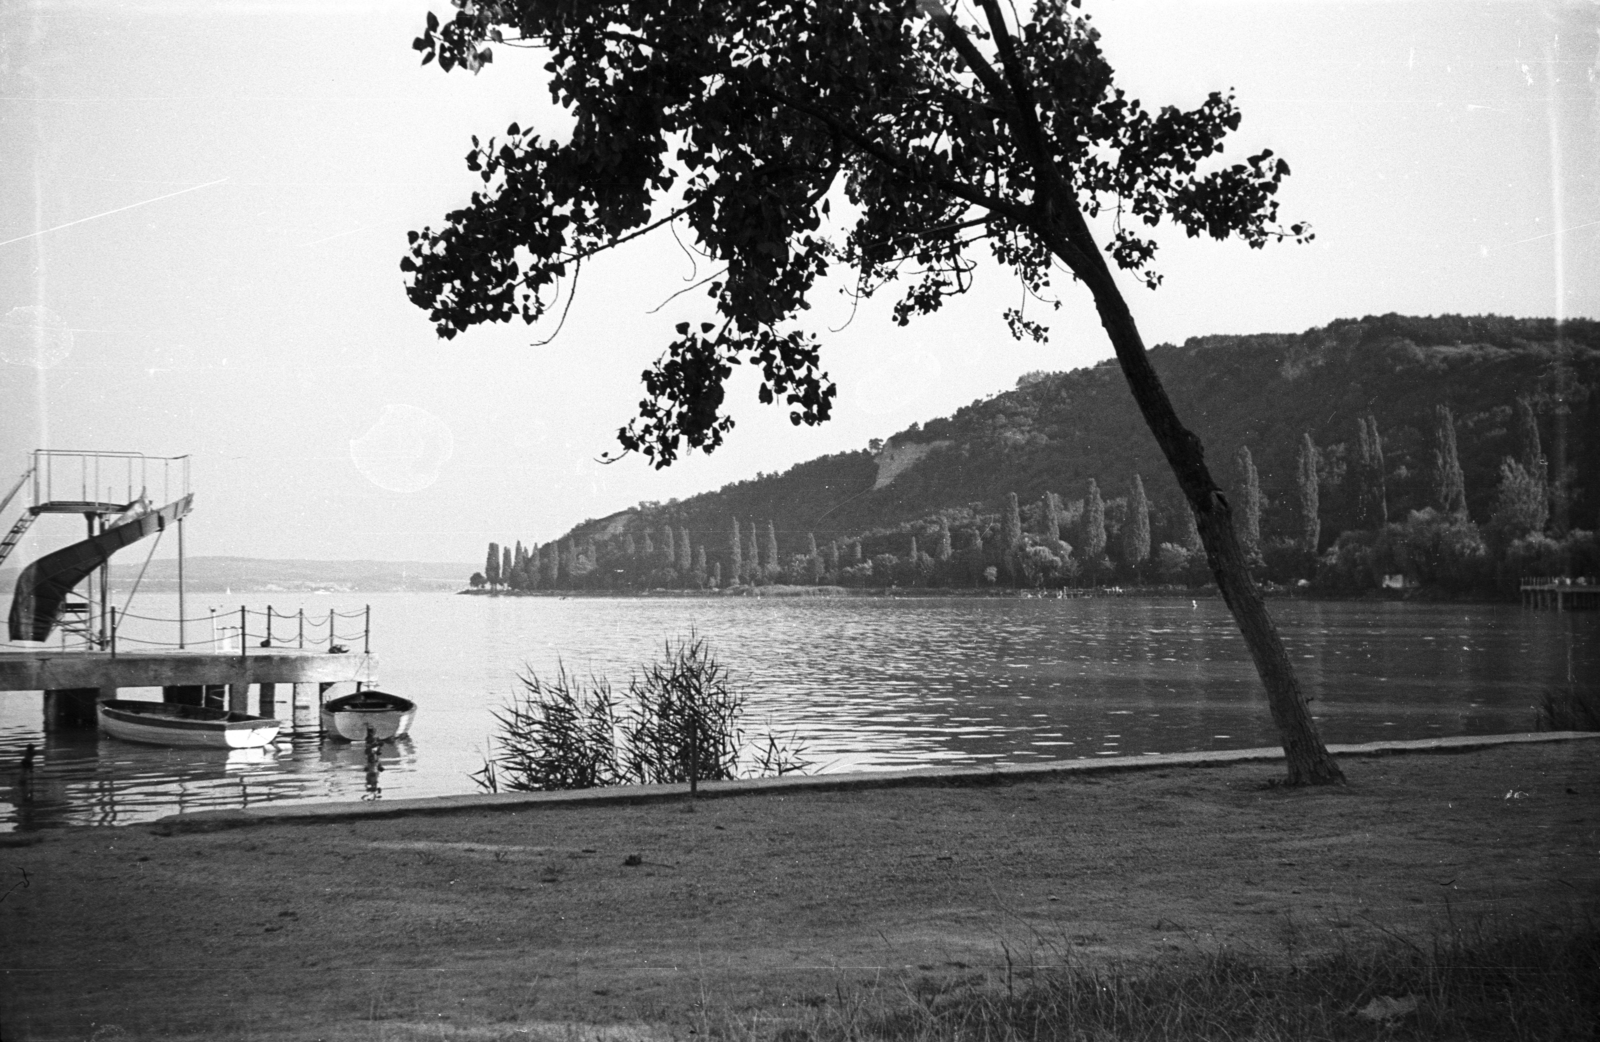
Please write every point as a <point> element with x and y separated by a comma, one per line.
<point>1515,983</point>
<point>678,720</point>
<point>1571,708</point>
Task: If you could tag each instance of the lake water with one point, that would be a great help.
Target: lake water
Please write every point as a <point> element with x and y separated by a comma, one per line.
<point>869,683</point>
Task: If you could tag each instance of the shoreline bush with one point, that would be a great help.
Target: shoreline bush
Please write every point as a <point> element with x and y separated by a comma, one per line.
<point>677,721</point>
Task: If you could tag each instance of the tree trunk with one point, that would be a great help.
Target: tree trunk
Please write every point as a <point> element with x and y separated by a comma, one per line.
<point>1309,761</point>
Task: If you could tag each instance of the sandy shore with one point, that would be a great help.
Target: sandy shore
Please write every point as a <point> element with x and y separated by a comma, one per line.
<point>518,923</point>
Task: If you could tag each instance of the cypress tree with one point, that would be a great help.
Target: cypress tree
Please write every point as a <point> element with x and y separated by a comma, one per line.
<point>752,556</point>
<point>1011,538</point>
<point>1050,520</point>
<point>1138,530</point>
<point>941,550</point>
<point>535,568</point>
<point>700,563</point>
<point>855,552</point>
<point>629,549</point>
<point>716,575</point>
<point>1379,510</point>
<point>772,547</point>
<point>833,557</point>
<point>813,558</point>
<point>505,565</point>
<point>1361,474</point>
<point>1191,531</point>
<point>735,554</point>
<point>669,555</point>
<point>1250,487</point>
<point>1094,524</point>
<point>1310,503</point>
<point>1449,487</point>
<point>1529,451</point>
<point>565,556</point>
<point>685,553</point>
<point>491,565</point>
<point>649,550</point>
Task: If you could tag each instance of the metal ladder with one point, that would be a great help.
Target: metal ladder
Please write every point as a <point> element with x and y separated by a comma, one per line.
<point>14,536</point>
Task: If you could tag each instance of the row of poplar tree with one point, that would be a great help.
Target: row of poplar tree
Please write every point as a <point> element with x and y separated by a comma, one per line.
<point>1051,542</point>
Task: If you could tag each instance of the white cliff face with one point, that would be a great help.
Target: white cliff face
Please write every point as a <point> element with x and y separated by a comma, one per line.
<point>894,460</point>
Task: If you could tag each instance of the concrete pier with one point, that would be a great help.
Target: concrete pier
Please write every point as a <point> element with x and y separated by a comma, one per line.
<point>74,681</point>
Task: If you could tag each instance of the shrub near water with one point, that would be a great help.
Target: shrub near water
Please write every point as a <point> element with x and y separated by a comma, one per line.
<point>678,721</point>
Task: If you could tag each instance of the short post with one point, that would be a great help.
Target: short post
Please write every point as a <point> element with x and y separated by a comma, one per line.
<point>243,643</point>
<point>269,626</point>
<point>366,632</point>
<point>113,633</point>
<point>333,637</point>
<point>302,629</point>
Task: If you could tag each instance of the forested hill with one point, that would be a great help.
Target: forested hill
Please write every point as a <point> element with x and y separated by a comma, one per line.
<point>1265,392</point>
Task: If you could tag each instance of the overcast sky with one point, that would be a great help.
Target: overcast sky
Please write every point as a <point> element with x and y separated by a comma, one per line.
<point>211,199</point>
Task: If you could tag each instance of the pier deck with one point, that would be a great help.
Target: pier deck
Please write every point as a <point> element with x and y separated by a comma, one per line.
<point>1560,594</point>
<point>53,670</point>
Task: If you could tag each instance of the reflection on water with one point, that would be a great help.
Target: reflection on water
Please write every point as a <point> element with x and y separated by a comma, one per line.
<point>868,682</point>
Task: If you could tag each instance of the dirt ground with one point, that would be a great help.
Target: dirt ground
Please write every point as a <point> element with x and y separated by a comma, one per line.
<point>501,924</point>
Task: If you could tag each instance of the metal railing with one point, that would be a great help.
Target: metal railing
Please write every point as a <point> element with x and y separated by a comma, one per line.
<point>69,475</point>
<point>242,632</point>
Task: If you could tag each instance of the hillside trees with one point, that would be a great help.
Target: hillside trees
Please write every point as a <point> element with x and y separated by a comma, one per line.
<point>1449,486</point>
<point>1308,485</point>
<point>1137,532</point>
<point>944,128</point>
<point>1250,496</point>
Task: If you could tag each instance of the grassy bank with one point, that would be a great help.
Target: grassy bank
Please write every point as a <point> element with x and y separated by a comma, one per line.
<point>1162,903</point>
<point>1487,980</point>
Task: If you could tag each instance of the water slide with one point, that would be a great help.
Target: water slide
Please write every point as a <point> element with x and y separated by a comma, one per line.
<point>43,586</point>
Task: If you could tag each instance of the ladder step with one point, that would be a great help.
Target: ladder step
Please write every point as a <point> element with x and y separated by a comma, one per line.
<point>14,536</point>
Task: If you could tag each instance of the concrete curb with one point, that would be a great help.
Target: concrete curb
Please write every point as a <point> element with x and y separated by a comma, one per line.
<point>923,776</point>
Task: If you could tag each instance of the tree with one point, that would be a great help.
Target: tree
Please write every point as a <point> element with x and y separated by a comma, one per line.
<point>669,553</point>
<point>1137,534</point>
<point>943,128</point>
<point>491,566</point>
<point>1449,487</point>
<point>1530,452</point>
<point>1521,505</point>
<point>1310,497</point>
<point>814,565</point>
<point>535,567</point>
<point>1011,538</point>
<point>941,546</point>
<point>771,553</point>
<point>685,554</point>
<point>735,554</point>
<point>477,580</point>
<point>1250,493</point>
<point>752,557</point>
<point>1094,525</point>
<point>1377,509</point>
<point>505,566</point>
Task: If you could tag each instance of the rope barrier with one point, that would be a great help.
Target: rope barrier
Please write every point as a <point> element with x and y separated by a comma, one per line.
<point>298,630</point>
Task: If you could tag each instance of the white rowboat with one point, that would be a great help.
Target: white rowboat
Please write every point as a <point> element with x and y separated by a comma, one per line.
<point>349,717</point>
<point>167,723</point>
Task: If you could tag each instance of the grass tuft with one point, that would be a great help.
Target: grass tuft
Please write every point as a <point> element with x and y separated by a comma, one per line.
<point>1572,708</point>
<point>1515,983</point>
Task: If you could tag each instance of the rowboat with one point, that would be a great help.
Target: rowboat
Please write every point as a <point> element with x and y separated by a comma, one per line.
<point>167,723</point>
<point>349,716</point>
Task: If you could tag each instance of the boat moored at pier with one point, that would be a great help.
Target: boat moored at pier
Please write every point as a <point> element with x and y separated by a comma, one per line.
<point>388,716</point>
<point>169,723</point>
